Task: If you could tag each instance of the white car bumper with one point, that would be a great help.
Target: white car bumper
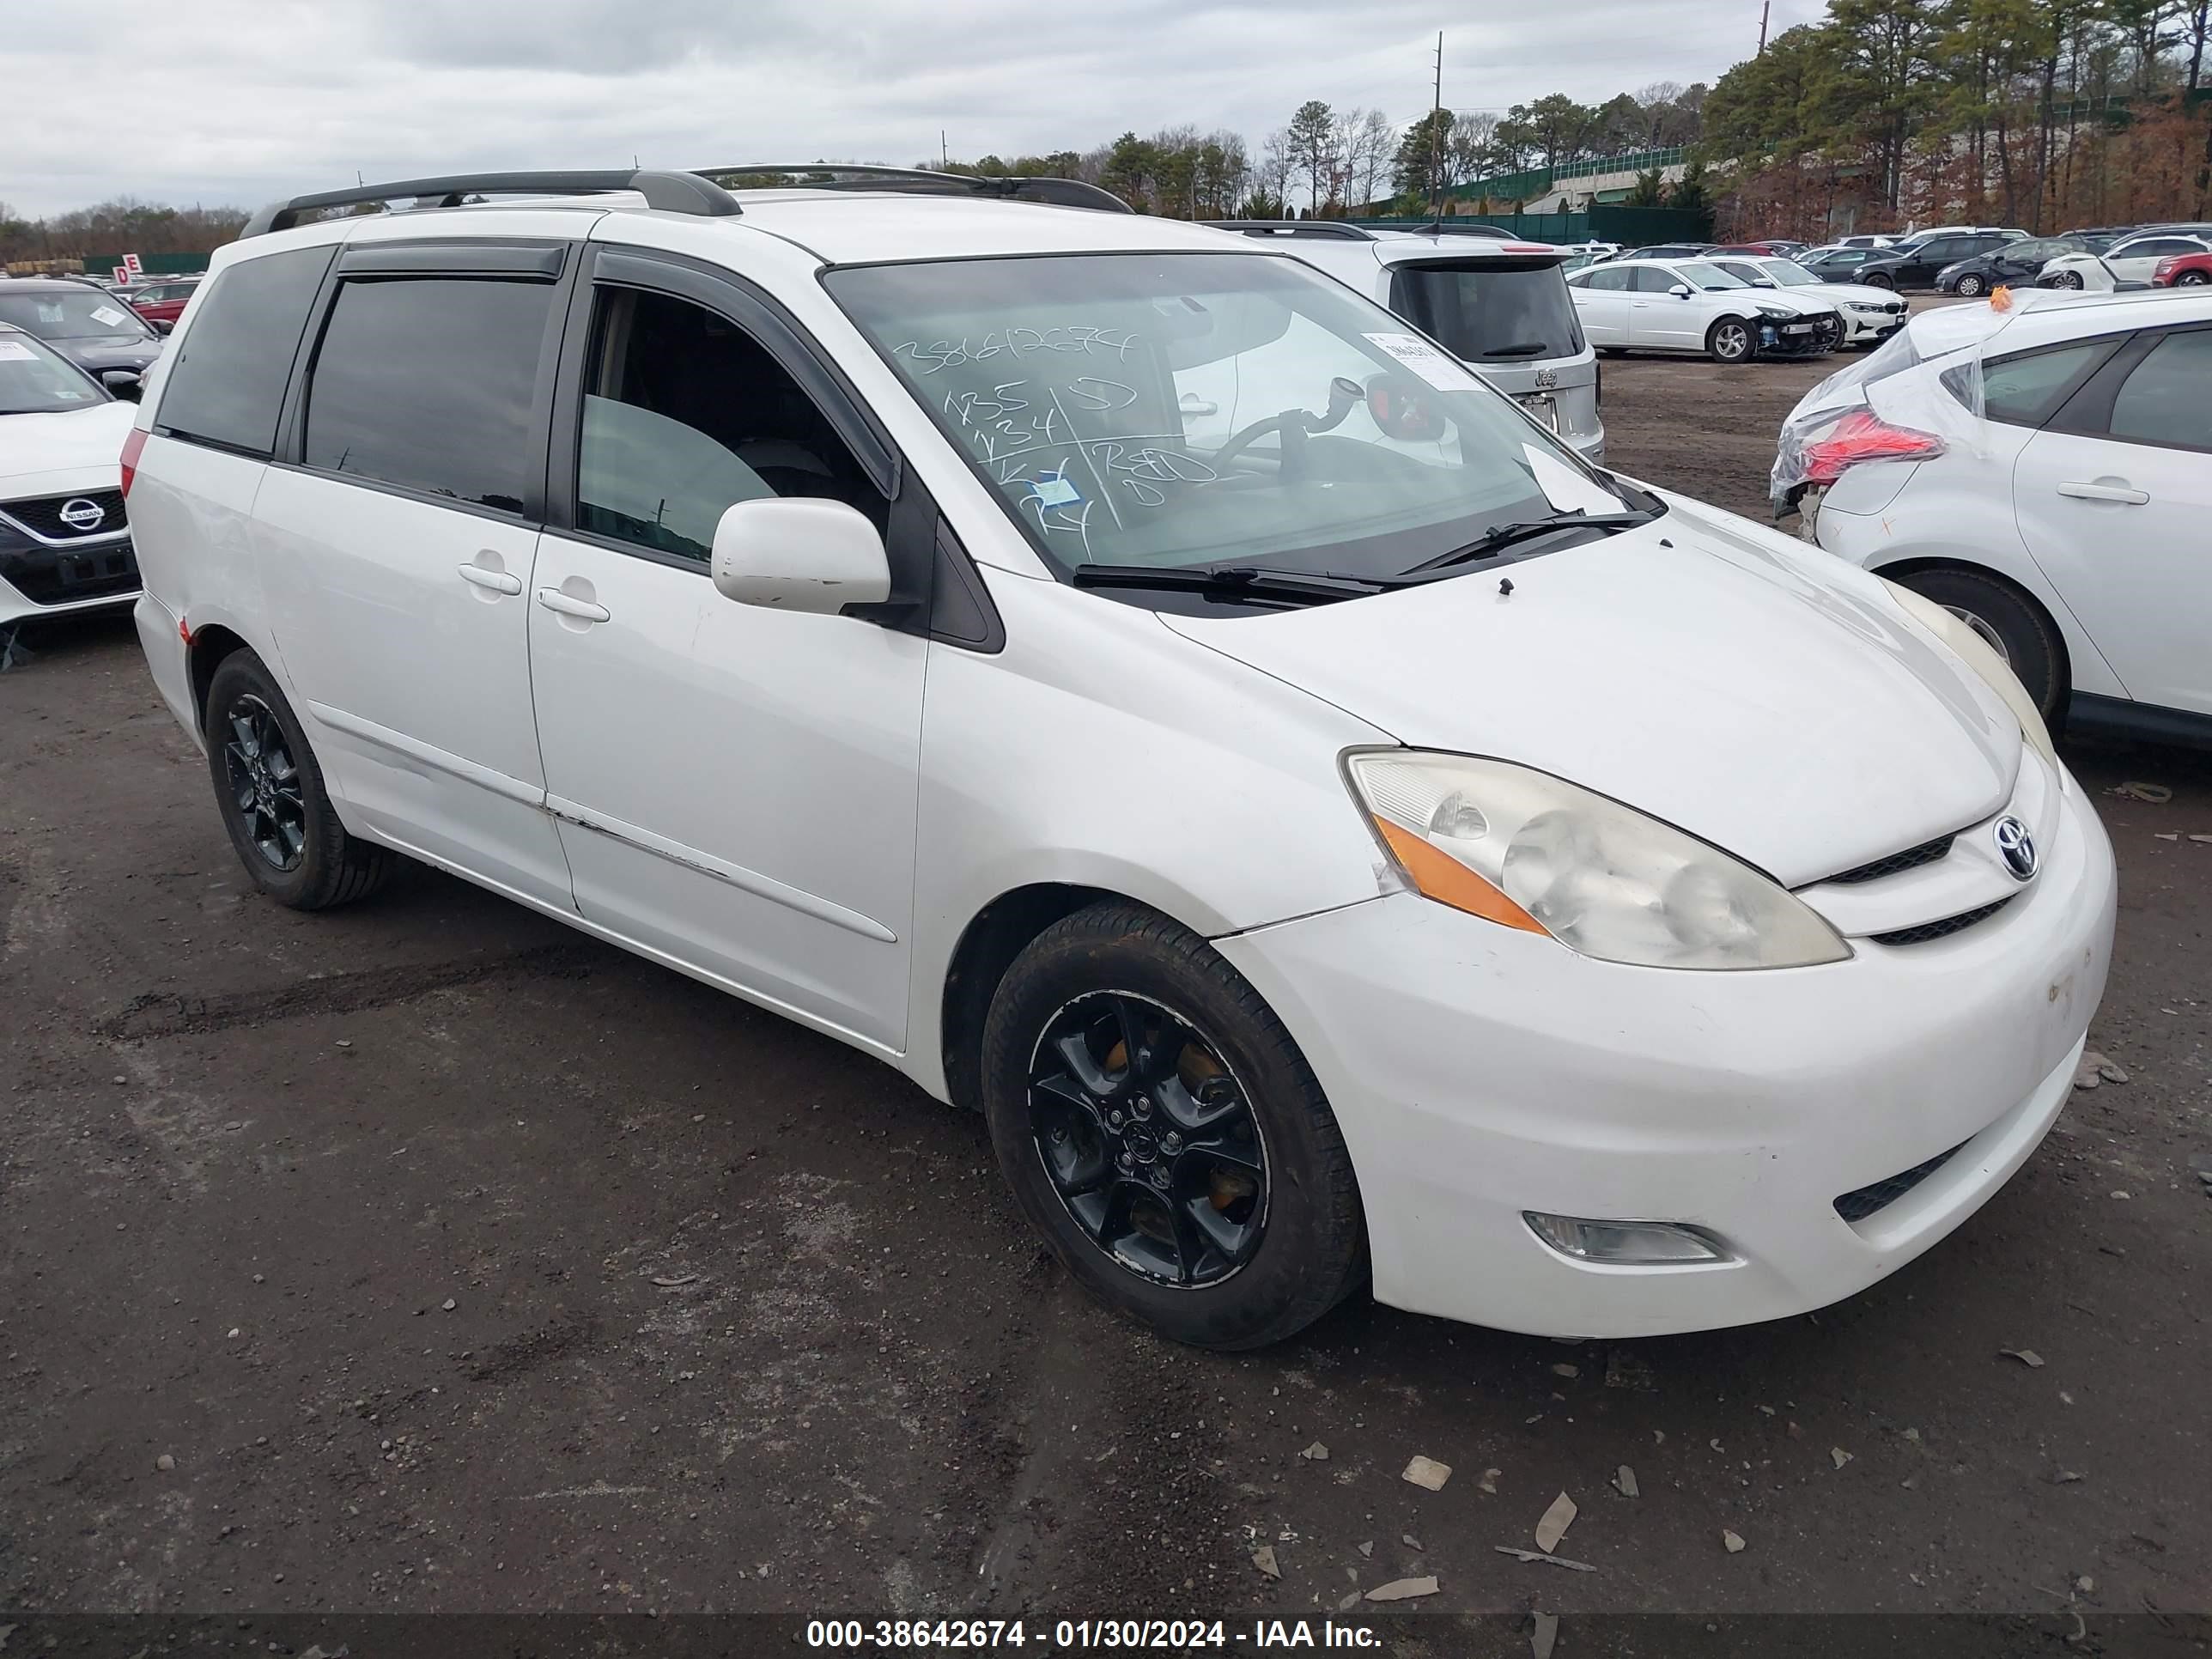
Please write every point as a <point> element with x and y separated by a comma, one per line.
<point>1480,1074</point>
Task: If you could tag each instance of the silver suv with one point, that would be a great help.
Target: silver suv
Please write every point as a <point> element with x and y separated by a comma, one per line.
<point>1500,306</point>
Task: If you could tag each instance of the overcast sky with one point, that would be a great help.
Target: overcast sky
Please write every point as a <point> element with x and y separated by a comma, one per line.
<point>239,101</point>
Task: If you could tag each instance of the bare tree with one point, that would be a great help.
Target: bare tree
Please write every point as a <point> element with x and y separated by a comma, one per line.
<point>1367,139</point>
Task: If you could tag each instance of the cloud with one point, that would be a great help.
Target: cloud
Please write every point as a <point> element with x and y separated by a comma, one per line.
<point>244,100</point>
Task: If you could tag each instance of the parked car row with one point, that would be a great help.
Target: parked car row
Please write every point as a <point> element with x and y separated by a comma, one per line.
<point>1699,306</point>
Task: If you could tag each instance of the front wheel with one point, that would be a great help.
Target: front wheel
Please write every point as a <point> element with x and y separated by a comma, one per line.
<point>1877,279</point>
<point>2068,279</point>
<point>2192,279</point>
<point>1731,341</point>
<point>270,788</point>
<point>2008,623</point>
<point>1972,286</point>
<point>1162,1130</point>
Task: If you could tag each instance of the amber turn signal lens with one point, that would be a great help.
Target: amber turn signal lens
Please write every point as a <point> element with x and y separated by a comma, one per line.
<point>1445,880</point>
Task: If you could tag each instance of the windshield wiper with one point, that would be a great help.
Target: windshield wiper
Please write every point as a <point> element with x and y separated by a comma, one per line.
<point>1526,349</point>
<point>1236,582</point>
<point>1498,538</point>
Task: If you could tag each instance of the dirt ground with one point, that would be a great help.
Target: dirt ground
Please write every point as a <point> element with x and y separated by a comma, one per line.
<point>427,1256</point>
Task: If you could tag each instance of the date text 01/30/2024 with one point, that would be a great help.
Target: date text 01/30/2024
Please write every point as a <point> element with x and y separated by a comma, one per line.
<point>1155,1635</point>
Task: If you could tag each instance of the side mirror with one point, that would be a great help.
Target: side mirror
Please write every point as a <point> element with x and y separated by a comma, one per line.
<point>123,383</point>
<point>1681,290</point>
<point>163,325</point>
<point>799,553</point>
<point>1765,281</point>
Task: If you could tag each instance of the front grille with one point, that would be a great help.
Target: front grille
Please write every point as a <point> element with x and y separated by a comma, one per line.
<point>1943,929</point>
<point>43,517</point>
<point>1911,859</point>
<point>66,575</point>
<point>1858,1205</point>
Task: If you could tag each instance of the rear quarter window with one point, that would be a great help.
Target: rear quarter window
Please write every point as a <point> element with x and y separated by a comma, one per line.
<point>226,386</point>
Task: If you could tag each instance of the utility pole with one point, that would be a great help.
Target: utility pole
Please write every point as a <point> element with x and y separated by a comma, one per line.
<point>1765,9</point>
<point>1437,138</point>
<point>944,156</point>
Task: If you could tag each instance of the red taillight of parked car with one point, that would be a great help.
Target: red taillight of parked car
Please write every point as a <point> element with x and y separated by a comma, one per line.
<point>1862,435</point>
<point>132,446</point>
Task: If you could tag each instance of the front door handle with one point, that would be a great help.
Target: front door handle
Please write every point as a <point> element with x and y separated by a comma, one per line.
<point>571,607</point>
<point>499,581</point>
<point>554,599</point>
<point>2104,492</point>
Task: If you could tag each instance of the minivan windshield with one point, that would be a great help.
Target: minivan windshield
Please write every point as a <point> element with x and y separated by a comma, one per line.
<point>72,313</point>
<point>1204,411</point>
<point>1491,310</point>
<point>35,380</point>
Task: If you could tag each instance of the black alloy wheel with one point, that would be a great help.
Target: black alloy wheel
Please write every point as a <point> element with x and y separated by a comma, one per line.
<point>1149,1140</point>
<point>265,783</point>
<point>269,786</point>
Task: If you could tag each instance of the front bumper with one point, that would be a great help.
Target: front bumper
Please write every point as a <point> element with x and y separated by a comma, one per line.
<point>1797,337</point>
<point>1478,1074</point>
<point>40,579</point>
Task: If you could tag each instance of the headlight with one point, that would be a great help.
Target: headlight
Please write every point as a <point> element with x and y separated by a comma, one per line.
<point>1528,850</point>
<point>1776,313</point>
<point>1974,650</point>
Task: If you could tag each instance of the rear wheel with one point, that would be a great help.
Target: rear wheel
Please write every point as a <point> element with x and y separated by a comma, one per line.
<point>269,786</point>
<point>1972,286</point>
<point>2007,620</point>
<point>1162,1130</point>
<point>1731,341</point>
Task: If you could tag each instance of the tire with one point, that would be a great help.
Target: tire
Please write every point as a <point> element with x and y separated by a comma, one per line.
<point>2067,279</point>
<point>2009,620</point>
<point>1970,286</point>
<point>1880,279</point>
<point>1229,1251</point>
<point>1731,341</point>
<point>269,788</point>
<point>2192,279</point>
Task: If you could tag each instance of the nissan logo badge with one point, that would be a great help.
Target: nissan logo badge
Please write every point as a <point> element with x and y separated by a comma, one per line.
<point>83,514</point>
<point>2017,847</point>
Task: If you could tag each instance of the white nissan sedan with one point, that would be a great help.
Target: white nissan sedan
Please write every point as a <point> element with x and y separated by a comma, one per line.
<point>1338,837</point>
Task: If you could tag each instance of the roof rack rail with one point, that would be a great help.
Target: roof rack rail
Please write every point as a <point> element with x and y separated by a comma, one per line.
<point>917,181</point>
<point>674,193</point>
<point>1334,228</point>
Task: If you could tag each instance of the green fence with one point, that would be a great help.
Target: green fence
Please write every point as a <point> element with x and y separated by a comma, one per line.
<point>154,264</point>
<point>1631,226</point>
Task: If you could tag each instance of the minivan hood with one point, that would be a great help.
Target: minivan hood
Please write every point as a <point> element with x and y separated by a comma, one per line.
<point>1751,690</point>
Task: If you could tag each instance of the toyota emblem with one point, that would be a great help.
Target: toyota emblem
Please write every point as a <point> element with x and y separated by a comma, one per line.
<point>2016,847</point>
<point>83,514</point>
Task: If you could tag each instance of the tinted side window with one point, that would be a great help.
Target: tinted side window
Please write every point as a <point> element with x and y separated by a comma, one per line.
<point>226,383</point>
<point>2024,390</point>
<point>2168,399</point>
<point>428,382</point>
<point>685,415</point>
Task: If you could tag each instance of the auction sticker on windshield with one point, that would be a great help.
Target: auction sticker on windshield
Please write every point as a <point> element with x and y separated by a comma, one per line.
<point>15,351</point>
<point>107,315</point>
<point>1433,366</point>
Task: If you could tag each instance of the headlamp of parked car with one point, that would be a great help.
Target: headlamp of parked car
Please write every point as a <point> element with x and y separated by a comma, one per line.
<point>1530,851</point>
<point>1975,651</point>
<point>1776,313</point>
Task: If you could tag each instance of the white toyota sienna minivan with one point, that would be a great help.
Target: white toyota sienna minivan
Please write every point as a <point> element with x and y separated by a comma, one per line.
<point>1339,836</point>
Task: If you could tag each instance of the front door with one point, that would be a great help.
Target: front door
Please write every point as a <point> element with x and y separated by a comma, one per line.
<point>2114,498</point>
<point>395,544</point>
<point>734,787</point>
